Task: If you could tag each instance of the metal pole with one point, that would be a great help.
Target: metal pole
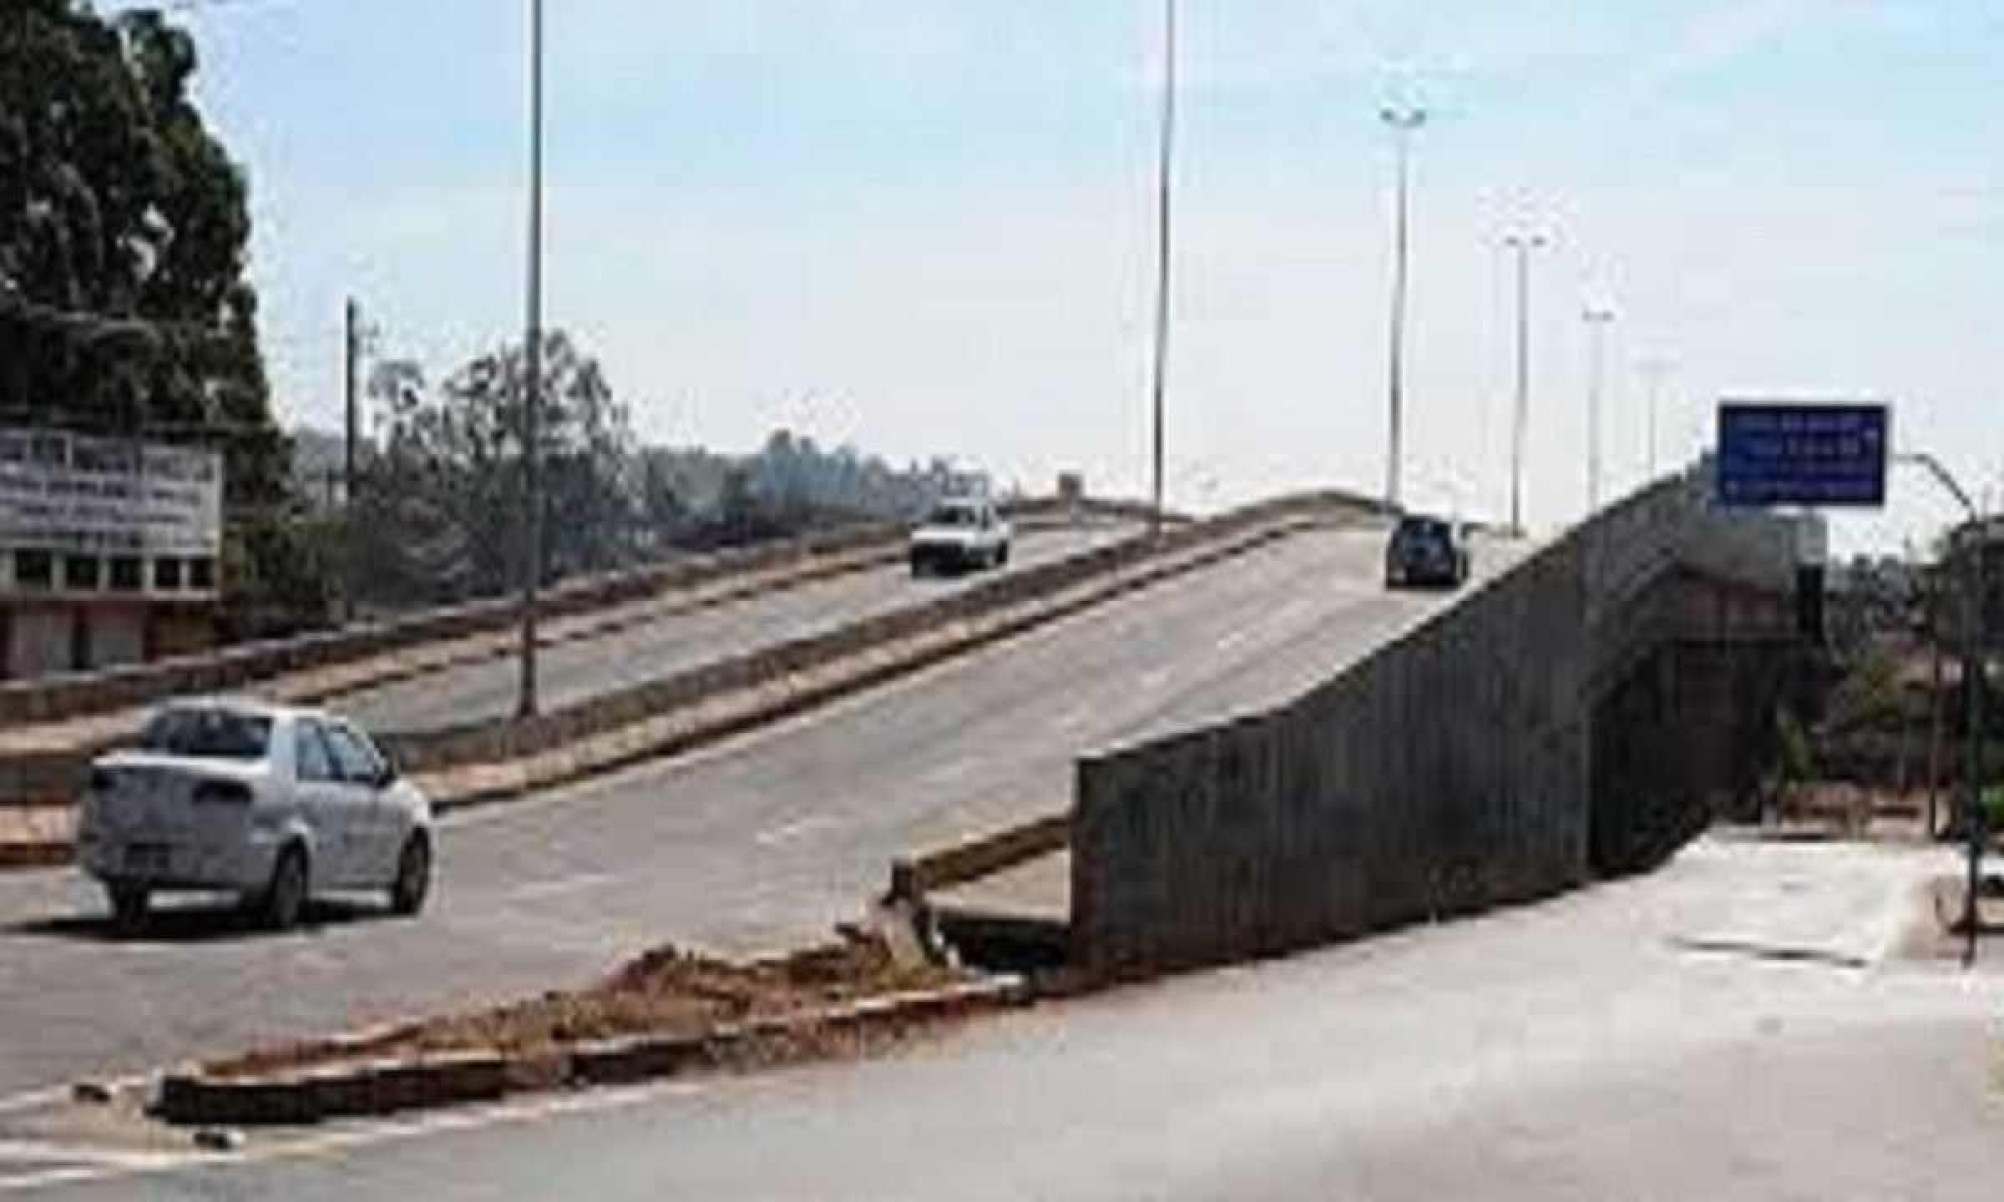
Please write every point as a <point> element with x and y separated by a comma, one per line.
<point>532,518</point>
<point>350,351</point>
<point>1522,244</point>
<point>1402,122</point>
<point>1935,608</point>
<point>1164,164</point>
<point>1653,371</point>
<point>1973,681</point>
<point>1972,686</point>
<point>1597,321</point>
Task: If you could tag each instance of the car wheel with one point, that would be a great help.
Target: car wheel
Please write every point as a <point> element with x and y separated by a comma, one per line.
<point>1002,555</point>
<point>285,897</point>
<point>407,892</point>
<point>130,905</point>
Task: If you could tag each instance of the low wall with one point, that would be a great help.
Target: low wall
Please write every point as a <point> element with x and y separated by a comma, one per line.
<point>1454,768</point>
<point>499,740</point>
<point>53,698</point>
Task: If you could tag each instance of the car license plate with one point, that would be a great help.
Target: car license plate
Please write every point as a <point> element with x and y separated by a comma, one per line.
<point>145,857</point>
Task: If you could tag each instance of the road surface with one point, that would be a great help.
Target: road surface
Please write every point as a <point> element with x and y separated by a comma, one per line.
<point>485,690</point>
<point>761,842</point>
<point>1576,1049</point>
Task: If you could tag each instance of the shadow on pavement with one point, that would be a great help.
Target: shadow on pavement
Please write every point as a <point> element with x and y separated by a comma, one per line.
<point>197,923</point>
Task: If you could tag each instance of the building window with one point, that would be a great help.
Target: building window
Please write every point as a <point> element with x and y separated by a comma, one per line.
<point>81,571</point>
<point>202,573</point>
<point>167,574</point>
<point>125,574</point>
<point>34,569</point>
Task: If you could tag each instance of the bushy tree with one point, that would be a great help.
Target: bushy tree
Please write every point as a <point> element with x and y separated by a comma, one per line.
<point>439,514</point>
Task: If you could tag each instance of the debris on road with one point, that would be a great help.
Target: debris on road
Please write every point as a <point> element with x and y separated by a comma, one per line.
<point>667,991</point>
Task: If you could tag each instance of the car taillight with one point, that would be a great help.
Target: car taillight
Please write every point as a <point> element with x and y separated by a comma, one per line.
<point>222,792</point>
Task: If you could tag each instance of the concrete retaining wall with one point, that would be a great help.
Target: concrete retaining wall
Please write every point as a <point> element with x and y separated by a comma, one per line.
<point>1452,769</point>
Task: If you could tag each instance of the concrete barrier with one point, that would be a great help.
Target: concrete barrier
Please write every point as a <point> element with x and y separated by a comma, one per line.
<point>511,739</point>
<point>71,695</point>
<point>190,1096</point>
<point>912,877</point>
<point>1465,764</point>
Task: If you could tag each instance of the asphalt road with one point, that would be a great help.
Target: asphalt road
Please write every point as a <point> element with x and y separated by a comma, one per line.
<point>1576,1049</point>
<point>573,671</point>
<point>759,842</point>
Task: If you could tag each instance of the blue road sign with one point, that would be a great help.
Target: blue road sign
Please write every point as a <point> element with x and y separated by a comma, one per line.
<point>1802,454</point>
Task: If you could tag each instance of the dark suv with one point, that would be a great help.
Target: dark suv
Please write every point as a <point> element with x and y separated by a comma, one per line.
<point>1425,550</point>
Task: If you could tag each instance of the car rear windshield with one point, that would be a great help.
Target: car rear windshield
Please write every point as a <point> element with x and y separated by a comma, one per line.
<point>207,733</point>
<point>1427,528</point>
<point>952,515</point>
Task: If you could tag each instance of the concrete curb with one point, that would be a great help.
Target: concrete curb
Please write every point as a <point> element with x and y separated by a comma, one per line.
<point>36,855</point>
<point>190,1097</point>
<point>984,855</point>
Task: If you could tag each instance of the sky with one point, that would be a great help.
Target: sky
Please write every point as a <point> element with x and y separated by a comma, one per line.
<point>927,227</point>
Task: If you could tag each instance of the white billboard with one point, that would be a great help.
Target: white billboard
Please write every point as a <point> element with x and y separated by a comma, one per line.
<point>108,496</point>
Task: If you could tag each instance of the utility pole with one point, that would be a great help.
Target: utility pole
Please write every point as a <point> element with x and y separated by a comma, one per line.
<point>351,353</point>
<point>1163,169</point>
<point>1523,245</point>
<point>1402,122</point>
<point>1597,320</point>
<point>532,389</point>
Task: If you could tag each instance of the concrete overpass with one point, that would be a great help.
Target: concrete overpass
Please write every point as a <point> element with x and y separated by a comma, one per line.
<point>759,841</point>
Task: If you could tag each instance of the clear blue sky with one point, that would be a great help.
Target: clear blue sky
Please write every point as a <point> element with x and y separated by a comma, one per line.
<point>925,226</point>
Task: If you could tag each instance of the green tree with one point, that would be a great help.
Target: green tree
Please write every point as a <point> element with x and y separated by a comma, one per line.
<point>123,233</point>
<point>124,223</point>
<point>440,510</point>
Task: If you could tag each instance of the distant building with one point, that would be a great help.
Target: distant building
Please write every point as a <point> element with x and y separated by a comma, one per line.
<point>108,551</point>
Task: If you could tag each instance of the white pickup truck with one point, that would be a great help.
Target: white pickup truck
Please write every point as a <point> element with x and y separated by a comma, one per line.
<point>959,533</point>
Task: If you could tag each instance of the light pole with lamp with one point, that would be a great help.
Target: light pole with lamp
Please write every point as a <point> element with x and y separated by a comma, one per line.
<point>1402,121</point>
<point>1164,164</point>
<point>1522,245</point>
<point>1972,687</point>
<point>532,384</point>
<point>1597,320</point>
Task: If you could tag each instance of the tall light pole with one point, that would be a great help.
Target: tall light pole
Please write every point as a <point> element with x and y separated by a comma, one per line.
<point>1402,121</point>
<point>1162,190</point>
<point>1597,321</point>
<point>1972,687</point>
<point>1653,370</point>
<point>1523,245</point>
<point>532,388</point>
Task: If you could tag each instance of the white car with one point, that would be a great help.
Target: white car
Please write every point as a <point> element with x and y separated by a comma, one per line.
<point>270,802</point>
<point>960,532</point>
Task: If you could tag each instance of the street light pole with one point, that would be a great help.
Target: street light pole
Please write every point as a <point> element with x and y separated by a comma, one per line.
<point>532,387</point>
<point>1597,320</point>
<point>1402,122</point>
<point>1972,688</point>
<point>1162,182</point>
<point>1522,244</point>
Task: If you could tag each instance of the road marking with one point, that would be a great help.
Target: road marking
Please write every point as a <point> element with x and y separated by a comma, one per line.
<point>562,885</point>
<point>1234,638</point>
<point>792,830</point>
<point>335,1142</point>
<point>33,1149</point>
<point>1153,680</point>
